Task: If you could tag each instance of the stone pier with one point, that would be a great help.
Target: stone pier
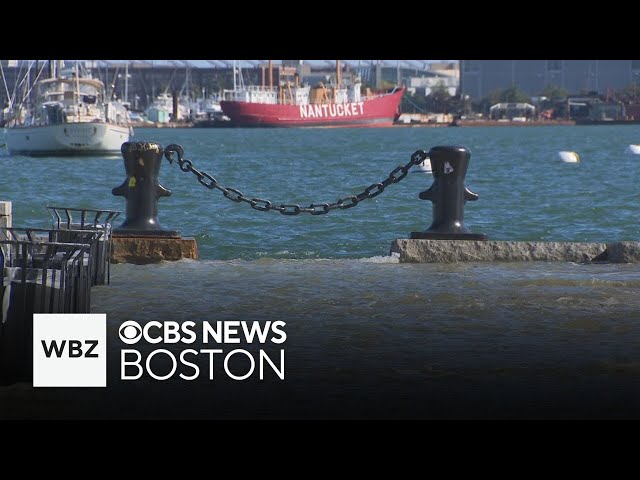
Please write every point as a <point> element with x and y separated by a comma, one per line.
<point>446,251</point>
<point>143,250</point>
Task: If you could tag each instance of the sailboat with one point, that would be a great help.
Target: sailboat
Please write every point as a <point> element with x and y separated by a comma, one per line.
<point>69,115</point>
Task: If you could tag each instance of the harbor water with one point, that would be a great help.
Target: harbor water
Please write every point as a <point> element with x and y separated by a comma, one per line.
<point>368,337</point>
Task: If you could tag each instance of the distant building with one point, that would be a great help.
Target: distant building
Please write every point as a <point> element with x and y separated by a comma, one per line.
<point>480,77</point>
<point>439,75</point>
<point>425,84</point>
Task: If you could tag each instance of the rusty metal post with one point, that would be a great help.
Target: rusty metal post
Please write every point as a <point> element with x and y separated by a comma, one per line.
<point>448,193</point>
<point>142,190</point>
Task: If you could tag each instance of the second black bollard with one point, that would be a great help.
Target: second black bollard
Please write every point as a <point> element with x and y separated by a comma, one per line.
<point>448,194</point>
<point>142,190</point>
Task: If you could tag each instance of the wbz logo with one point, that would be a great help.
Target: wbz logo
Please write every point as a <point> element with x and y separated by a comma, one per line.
<point>74,350</point>
<point>69,350</point>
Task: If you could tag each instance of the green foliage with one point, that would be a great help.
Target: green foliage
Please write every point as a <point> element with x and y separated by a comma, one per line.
<point>413,103</point>
<point>553,92</point>
<point>514,95</point>
<point>438,101</point>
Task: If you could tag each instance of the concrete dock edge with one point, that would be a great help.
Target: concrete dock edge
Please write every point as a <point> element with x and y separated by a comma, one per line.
<point>446,251</point>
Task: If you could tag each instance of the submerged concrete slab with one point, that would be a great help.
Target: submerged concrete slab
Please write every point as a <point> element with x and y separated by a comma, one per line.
<point>446,251</point>
<point>143,250</point>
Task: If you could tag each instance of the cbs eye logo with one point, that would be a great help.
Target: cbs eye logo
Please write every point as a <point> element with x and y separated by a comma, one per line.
<point>130,332</point>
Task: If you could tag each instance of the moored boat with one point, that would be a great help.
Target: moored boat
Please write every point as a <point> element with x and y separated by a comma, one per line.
<point>295,105</point>
<point>69,116</point>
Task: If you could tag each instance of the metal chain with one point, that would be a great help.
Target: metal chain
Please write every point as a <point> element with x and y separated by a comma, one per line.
<point>293,209</point>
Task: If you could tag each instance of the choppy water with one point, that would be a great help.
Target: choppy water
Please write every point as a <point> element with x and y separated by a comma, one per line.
<point>526,192</point>
<point>369,337</point>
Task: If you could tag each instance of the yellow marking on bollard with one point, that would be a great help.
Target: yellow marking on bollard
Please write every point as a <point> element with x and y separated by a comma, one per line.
<point>132,182</point>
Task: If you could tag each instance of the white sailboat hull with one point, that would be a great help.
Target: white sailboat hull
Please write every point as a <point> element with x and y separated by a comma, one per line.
<point>95,138</point>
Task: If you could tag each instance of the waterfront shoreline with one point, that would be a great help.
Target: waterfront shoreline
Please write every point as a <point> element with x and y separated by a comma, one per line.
<point>491,123</point>
<point>463,123</point>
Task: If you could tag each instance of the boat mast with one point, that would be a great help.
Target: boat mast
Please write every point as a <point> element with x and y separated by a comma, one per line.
<point>6,87</point>
<point>77,92</point>
<point>126,82</point>
<point>32,101</point>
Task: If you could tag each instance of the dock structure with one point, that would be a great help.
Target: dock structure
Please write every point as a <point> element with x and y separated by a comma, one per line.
<point>140,81</point>
<point>5,215</point>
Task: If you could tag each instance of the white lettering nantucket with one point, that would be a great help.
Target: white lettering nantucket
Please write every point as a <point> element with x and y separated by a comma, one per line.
<point>331,110</point>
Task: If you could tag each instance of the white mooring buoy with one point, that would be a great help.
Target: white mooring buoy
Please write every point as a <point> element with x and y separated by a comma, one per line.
<point>633,149</point>
<point>424,167</point>
<point>569,157</point>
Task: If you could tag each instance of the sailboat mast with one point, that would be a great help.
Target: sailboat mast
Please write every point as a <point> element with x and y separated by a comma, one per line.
<point>34,83</point>
<point>77,91</point>
<point>126,82</point>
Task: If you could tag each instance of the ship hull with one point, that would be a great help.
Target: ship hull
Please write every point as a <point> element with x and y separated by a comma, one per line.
<point>96,138</point>
<point>380,111</point>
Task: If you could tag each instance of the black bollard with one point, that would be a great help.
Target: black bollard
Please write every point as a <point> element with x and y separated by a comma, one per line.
<point>448,194</point>
<point>142,190</point>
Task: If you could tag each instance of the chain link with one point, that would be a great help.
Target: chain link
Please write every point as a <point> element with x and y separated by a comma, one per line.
<point>174,153</point>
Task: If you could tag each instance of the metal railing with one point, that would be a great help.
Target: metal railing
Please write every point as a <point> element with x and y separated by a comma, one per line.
<point>37,277</point>
<point>93,259</point>
<point>72,219</point>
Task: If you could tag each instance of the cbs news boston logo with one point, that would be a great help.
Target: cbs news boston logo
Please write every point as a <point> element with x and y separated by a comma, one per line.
<point>69,350</point>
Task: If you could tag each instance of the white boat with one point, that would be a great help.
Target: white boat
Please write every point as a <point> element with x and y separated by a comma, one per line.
<point>161,110</point>
<point>208,112</point>
<point>423,167</point>
<point>207,108</point>
<point>69,116</point>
